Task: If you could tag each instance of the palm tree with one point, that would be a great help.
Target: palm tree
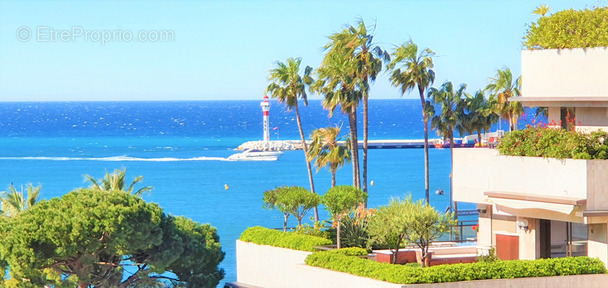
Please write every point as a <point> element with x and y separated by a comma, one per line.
<point>411,69</point>
<point>541,10</point>
<point>503,88</point>
<point>450,103</point>
<point>327,151</point>
<point>356,43</point>
<point>337,82</point>
<point>287,87</point>
<point>478,114</point>
<point>116,182</point>
<point>15,202</point>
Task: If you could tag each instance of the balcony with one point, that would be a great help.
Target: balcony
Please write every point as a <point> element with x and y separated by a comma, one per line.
<point>566,189</point>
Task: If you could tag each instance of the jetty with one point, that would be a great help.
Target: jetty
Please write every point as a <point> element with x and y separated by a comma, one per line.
<point>288,145</point>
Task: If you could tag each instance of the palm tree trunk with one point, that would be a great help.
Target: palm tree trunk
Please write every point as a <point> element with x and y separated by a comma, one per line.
<point>365,132</point>
<point>333,178</point>
<point>451,166</point>
<point>338,232</point>
<point>479,137</point>
<point>426,146</point>
<point>352,119</point>
<point>312,184</point>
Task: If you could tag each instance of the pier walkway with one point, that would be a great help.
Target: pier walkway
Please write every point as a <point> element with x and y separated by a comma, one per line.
<point>287,145</point>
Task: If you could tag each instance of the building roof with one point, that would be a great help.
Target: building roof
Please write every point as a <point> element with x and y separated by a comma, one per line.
<point>562,101</point>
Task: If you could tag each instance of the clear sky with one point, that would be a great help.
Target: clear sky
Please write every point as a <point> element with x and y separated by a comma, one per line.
<point>222,50</point>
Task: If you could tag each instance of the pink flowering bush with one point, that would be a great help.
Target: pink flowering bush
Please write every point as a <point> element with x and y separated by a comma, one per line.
<point>555,143</point>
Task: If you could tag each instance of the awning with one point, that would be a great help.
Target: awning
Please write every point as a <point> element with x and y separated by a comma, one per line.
<point>509,201</point>
<point>508,205</point>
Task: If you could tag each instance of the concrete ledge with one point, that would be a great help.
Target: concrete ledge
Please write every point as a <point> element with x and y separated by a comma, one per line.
<point>266,266</point>
<point>576,281</point>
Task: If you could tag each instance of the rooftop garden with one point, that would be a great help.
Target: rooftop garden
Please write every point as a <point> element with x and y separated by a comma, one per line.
<point>568,29</point>
<point>407,274</point>
<point>555,143</point>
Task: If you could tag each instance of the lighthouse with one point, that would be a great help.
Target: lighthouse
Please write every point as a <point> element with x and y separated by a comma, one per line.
<point>266,111</point>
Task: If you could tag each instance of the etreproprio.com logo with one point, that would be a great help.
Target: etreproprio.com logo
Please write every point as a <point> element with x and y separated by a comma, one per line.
<point>101,36</point>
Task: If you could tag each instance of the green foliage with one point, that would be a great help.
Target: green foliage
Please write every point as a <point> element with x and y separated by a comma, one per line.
<point>555,143</point>
<point>569,29</point>
<point>451,107</point>
<point>491,257</point>
<point>406,274</point>
<point>88,237</point>
<point>15,202</point>
<point>314,230</point>
<point>343,199</point>
<point>389,225</point>
<point>354,231</point>
<point>326,151</point>
<point>408,221</point>
<point>351,251</point>
<point>265,236</point>
<point>291,200</point>
<point>116,181</point>
<point>502,87</point>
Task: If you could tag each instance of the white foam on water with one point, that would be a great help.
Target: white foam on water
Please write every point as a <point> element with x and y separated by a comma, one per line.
<point>117,159</point>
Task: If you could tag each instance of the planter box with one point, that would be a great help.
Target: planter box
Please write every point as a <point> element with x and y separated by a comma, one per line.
<point>403,256</point>
<point>553,73</point>
<point>266,266</point>
<point>477,171</point>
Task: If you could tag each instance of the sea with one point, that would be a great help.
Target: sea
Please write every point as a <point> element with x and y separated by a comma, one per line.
<point>181,149</point>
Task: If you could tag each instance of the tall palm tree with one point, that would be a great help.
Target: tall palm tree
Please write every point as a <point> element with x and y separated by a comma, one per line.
<point>287,86</point>
<point>327,151</point>
<point>337,82</point>
<point>116,182</point>
<point>450,103</point>
<point>502,87</point>
<point>357,43</point>
<point>411,69</point>
<point>15,202</point>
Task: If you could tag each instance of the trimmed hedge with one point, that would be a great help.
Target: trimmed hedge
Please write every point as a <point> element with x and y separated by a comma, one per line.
<point>352,251</point>
<point>555,143</point>
<point>569,29</point>
<point>265,236</point>
<point>401,274</point>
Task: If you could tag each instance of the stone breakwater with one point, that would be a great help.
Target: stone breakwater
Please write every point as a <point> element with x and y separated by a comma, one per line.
<point>282,145</point>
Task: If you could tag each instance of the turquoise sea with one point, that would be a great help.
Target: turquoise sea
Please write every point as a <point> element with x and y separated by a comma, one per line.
<point>181,148</point>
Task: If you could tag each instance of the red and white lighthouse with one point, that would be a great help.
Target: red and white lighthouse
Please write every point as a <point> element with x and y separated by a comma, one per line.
<point>266,110</point>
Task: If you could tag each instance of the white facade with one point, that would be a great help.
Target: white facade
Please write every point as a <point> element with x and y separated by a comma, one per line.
<point>533,207</point>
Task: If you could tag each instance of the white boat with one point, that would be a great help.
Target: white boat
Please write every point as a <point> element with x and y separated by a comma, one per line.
<point>256,155</point>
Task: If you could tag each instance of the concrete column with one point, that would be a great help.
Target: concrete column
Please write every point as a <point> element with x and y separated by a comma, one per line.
<point>484,235</point>
<point>598,241</point>
<point>529,239</point>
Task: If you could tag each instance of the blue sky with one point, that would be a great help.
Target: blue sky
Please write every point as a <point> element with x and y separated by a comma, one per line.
<point>222,50</point>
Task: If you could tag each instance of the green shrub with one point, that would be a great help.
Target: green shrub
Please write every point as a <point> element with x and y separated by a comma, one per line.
<point>554,143</point>
<point>569,29</point>
<point>491,257</point>
<point>402,274</point>
<point>318,230</point>
<point>265,236</point>
<point>351,251</point>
